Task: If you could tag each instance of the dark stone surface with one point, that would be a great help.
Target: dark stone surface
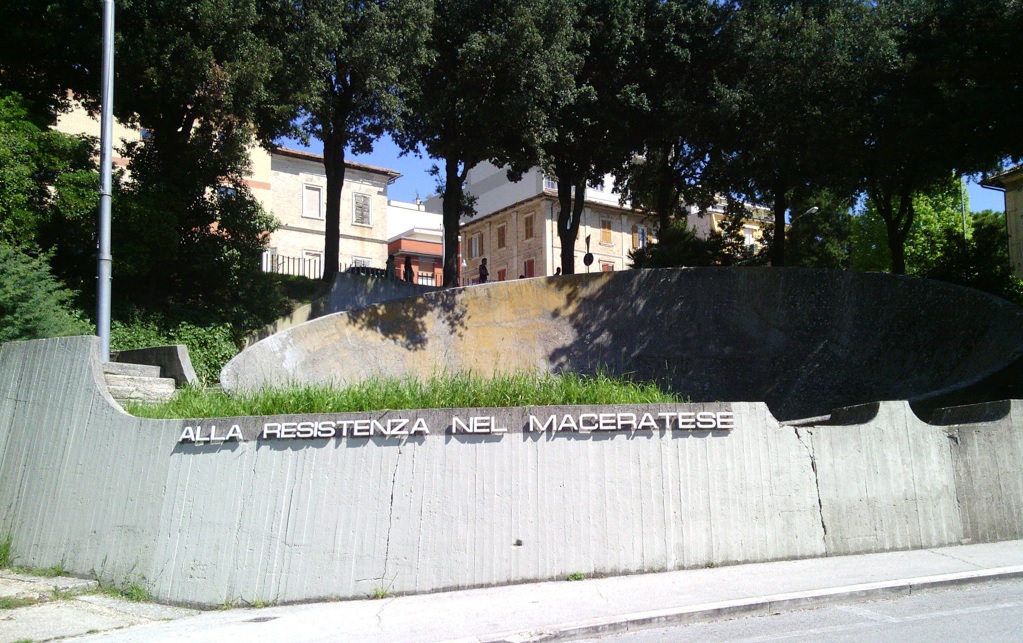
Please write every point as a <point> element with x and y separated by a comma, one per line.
<point>804,341</point>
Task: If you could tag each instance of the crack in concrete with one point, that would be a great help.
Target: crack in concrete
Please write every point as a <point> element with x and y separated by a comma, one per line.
<point>816,478</point>
<point>390,517</point>
<point>961,560</point>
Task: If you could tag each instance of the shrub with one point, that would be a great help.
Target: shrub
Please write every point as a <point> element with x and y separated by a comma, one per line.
<point>210,345</point>
<point>33,304</point>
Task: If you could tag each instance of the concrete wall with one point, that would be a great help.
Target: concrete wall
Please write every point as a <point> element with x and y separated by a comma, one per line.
<point>348,292</point>
<point>804,341</point>
<point>87,486</point>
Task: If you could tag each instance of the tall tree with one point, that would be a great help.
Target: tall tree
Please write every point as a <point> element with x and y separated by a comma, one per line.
<point>670,127</point>
<point>788,98</point>
<point>496,66</point>
<point>196,76</point>
<point>940,99</point>
<point>352,64</point>
<point>587,119</point>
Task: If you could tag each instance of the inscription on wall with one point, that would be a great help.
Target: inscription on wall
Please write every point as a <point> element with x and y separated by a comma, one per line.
<point>398,427</point>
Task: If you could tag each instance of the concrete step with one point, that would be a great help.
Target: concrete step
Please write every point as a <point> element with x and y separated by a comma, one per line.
<point>140,389</point>
<point>137,370</point>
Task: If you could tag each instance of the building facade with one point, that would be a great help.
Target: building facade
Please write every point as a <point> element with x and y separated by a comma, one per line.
<point>1010,183</point>
<point>515,227</point>
<point>291,184</point>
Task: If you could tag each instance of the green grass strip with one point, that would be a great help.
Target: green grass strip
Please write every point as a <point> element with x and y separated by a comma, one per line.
<point>465,390</point>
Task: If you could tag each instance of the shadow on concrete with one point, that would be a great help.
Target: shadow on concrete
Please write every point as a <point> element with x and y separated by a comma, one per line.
<point>407,322</point>
<point>803,341</point>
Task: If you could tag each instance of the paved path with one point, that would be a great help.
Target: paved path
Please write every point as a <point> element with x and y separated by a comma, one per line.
<point>558,610</point>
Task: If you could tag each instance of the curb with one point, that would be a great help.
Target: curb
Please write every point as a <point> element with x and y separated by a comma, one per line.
<point>748,606</point>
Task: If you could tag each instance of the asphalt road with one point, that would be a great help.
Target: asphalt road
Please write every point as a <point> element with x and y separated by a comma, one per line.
<point>983,612</point>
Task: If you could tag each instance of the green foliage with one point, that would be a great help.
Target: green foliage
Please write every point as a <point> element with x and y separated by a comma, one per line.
<point>133,592</point>
<point>33,303</point>
<point>12,602</point>
<point>576,576</point>
<point>48,183</point>
<point>495,69</point>
<point>6,552</point>
<point>679,245</point>
<point>462,390</point>
<point>821,238</point>
<point>350,67</point>
<point>938,217</point>
<point>210,344</point>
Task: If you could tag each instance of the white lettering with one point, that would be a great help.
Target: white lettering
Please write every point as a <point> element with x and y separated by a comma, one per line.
<point>686,420</point>
<point>648,422</point>
<point>583,417</point>
<point>705,420</point>
<point>234,432</point>
<point>187,435</point>
<point>534,424</point>
<point>726,420</point>
<point>419,427</point>
<point>568,422</point>
<point>627,420</point>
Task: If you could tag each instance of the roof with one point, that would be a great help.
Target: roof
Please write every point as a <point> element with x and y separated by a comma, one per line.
<point>309,156</point>
<point>1005,176</point>
<point>549,195</point>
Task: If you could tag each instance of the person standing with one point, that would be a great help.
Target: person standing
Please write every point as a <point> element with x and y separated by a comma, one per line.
<point>484,271</point>
<point>409,277</point>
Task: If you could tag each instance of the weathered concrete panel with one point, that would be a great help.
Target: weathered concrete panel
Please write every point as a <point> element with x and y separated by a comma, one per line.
<point>99,491</point>
<point>85,485</point>
<point>806,341</point>
<point>886,484</point>
<point>988,457</point>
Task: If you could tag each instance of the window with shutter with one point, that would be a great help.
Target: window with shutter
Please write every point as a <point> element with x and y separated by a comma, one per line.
<point>605,232</point>
<point>361,214</point>
<point>527,224</point>
<point>501,235</point>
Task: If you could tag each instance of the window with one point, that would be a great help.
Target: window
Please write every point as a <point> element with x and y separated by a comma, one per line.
<point>501,274</point>
<point>226,192</point>
<point>527,225</point>
<point>550,184</point>
<point>747,235</point>
<point>311,203</point>
<point>528,268</point>
<point>606,266</point>
<point>476,246</point>
<point>639,236</point>
<point>605,232</point>
<point>145,133</point>
<point>501,235</point>
<point>363,262</point>
<point>361,214</point>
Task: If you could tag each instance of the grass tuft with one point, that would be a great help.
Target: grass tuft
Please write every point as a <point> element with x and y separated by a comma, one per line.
<point>6,552</point>
<point>463,390</point>
<point>133,592</point>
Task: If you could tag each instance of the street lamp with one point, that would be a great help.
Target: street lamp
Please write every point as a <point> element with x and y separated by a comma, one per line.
<point>106,136</point>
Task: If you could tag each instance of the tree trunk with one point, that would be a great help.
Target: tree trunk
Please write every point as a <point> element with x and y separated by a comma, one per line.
<point>334,168</point>
<point>452,213</point>
<point>897,226</point>
<point>778,242</point>
<point>569,216</point>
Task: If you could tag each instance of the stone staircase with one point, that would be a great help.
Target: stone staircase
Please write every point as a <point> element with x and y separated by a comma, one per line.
<point>137,382</point>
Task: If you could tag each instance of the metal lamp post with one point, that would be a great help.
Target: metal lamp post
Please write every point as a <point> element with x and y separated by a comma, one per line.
<point>105,173</point>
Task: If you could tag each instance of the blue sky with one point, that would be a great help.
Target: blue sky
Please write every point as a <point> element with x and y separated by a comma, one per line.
<point>415,179</point>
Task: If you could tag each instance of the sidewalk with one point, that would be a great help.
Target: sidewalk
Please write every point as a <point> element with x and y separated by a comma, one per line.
<point>586,608</point>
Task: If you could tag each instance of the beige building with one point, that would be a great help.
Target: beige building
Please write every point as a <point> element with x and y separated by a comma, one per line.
<point>291,184</point>
<point>1010,182</point>
<point>515,227</point>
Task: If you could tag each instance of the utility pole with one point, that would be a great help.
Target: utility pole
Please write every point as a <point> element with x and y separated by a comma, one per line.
<point>105,181</point>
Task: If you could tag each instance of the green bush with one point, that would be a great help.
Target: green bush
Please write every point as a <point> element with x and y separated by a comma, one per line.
<point>33,304</point>
<point>210,345</point>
